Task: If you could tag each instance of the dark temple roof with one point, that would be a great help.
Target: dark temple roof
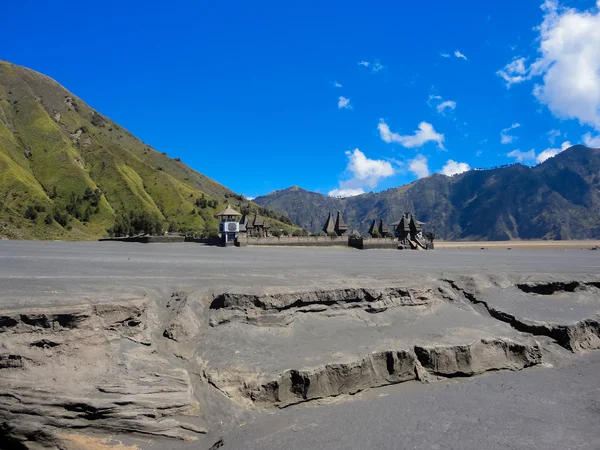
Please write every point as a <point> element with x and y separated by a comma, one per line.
<point>340,227</point>
<point>328,228</point>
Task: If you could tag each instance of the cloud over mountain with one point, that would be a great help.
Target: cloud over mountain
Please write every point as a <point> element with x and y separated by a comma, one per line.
<point>425,133</point>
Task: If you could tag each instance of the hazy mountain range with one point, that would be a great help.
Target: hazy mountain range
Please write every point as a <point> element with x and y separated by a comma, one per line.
<point>558,199</point>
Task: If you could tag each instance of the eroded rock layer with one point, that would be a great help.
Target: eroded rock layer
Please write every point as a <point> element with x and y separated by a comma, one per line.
<point>181,364</point>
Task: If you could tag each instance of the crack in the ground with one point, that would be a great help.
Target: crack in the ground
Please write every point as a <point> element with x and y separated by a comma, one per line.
<point>570,337</point>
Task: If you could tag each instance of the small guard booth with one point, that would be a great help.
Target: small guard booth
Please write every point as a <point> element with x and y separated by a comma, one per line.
<point>229,226</point>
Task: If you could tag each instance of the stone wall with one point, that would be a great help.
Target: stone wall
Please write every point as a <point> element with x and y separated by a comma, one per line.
<point>206,241</point>
<point>295,241</point>
<point>366,243</point>
<point>170,239</point>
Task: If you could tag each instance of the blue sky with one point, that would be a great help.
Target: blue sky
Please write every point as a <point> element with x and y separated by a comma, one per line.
<point>264,95</point>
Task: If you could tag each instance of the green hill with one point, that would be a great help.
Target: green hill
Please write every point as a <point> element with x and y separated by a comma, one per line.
<point>68,172</point>
<point>558,199</point>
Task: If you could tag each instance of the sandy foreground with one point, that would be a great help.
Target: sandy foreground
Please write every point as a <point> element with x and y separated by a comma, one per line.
<point>107,345</point>
<point>576,244</point>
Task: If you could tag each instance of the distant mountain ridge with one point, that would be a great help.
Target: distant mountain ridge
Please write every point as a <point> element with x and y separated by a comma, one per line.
<point>558,199</point>
<point>68,172</point>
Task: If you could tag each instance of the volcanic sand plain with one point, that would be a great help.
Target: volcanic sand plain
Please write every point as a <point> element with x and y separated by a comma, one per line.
<point>188,346</point>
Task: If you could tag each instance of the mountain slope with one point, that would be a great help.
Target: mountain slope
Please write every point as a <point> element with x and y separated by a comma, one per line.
<point>68,172</point>
<point>558,199</point>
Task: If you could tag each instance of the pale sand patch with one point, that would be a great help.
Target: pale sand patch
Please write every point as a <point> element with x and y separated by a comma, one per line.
<point>583,244</point>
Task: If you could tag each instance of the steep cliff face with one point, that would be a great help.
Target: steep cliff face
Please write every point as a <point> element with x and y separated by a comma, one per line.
<point>558,199</point>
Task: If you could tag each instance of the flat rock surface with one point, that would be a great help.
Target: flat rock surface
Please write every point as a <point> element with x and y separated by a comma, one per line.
<point>177,345</point>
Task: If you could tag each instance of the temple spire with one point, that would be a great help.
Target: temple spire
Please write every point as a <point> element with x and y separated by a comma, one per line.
<point>340,227</point>
<point>384,231</point>
<point>328,228</point>
<point>373,231</point>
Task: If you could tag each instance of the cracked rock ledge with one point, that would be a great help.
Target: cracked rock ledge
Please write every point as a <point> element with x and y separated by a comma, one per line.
<point>181,365</point>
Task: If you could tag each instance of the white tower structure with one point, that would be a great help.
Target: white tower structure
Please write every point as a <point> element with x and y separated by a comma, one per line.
<point>229,226</point>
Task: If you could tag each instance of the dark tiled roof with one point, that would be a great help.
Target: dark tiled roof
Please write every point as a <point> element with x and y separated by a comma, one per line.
<point>373,228</point>
<point>258,221</point>
<point>383,228</point>
<point>328,228</point>
<point>340,226</point>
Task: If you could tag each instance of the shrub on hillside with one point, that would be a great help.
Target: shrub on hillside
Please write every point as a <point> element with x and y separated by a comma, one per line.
<point>60,217</point>
<point>97,120</point>
<point>134,223</point>
<point>30,213</point>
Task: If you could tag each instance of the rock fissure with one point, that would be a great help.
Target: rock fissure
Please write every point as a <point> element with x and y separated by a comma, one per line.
<point>581,335</point>
<point>280,309</point>
<point>553,287</point>
<point>385,368</point>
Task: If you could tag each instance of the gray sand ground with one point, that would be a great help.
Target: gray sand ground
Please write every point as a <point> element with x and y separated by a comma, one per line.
<point>168,344</point>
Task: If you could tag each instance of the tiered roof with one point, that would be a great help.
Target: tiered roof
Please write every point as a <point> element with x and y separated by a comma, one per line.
<point>340,227</point>
<point>384,231</point>
<point>373,228</point>
<point>329,227</point>
<point>258,221</point>
<point>229,211</point>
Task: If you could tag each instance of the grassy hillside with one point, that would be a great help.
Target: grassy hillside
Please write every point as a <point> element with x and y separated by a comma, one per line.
<point>558,199</point>
<point>68,172</point>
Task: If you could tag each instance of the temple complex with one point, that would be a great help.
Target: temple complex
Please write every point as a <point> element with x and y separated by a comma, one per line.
<point>404,234</point>
<point>409,232</point>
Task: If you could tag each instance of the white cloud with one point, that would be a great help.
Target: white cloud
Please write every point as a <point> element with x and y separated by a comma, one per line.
<point>368,170</point>
<point>522,156</point>
<point>441,105</point>
<point>551,152</point>
<point>337,85</point>
<point>424,134</point>
<point>514,72</point>
<point>344,103</point>
<point>506,138</point>
<point>459,55</point>
<point>592,142</point>
<point>552,135</point>
<point>454,168</point>
<point>447,104</point>
<point>350,192</point>
<point>418,166</point>
<point>445,55</point>
<point>377,66</point>
<point>249,198</point>
<point>365,172</point>
<point>568,63</point>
